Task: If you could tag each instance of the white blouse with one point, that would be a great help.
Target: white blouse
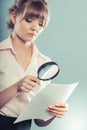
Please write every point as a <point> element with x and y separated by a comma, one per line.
<point>11,72</point>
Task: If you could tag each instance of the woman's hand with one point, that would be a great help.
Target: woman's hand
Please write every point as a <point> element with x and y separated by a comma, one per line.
<point>27,84</point>
<point>59,110</point>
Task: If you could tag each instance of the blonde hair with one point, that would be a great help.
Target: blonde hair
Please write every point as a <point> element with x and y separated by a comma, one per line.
<point>30,8</point>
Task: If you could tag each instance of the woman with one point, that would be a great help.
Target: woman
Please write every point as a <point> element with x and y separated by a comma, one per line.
<point>19,61</point>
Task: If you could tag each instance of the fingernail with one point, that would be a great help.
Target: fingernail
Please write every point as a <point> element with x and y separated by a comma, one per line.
<point>50,107</point>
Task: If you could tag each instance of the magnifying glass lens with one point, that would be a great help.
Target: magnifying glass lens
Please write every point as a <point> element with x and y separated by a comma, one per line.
<point>48,71</point>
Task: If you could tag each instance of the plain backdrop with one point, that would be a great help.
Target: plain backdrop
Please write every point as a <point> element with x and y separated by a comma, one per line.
<point>65,41</point>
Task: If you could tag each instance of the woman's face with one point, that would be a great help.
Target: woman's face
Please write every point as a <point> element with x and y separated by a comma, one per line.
<point>28,29</point>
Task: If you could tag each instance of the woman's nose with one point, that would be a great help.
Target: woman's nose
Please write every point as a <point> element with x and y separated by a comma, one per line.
<point>35,26</point>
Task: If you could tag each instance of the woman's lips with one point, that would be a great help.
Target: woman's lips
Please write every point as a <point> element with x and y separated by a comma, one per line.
<point>32,34</point>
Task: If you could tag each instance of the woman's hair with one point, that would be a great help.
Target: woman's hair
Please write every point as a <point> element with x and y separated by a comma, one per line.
<point>29,8</point>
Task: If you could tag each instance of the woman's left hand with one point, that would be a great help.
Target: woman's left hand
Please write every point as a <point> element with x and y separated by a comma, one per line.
<point>59,110</point>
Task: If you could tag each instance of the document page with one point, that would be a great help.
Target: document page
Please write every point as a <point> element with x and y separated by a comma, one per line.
<point>52,94</point>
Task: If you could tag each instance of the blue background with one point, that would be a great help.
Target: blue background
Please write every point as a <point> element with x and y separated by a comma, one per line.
<point>65,41</point>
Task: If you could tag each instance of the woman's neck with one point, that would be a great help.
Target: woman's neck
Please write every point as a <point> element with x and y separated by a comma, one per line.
<point>19,42</point>
<point>23,51</point>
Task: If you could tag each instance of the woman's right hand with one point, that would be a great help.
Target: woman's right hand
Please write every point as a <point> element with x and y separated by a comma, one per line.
<point>27,84</point>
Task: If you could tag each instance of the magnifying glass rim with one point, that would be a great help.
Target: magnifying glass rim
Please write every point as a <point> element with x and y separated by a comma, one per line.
<point>46,64</point>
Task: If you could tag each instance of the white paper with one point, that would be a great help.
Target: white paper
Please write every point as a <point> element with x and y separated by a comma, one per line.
<point>52,94</point>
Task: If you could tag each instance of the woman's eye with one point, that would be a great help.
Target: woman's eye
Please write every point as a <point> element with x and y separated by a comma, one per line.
<point>28,20</point>
<point>41,24</point>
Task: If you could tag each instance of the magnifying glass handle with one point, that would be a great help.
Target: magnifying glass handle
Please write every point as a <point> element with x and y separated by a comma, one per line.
<point>38,89</point>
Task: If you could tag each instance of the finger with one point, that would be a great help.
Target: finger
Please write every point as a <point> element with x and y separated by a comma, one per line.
<point>62,105</point>
<point>26,87</point>
<point>60,114</point>
<point>34,79</point>
<point>32,83</point>
<point>57,113</point>
<point>31,80</point>
<point>58,108</point>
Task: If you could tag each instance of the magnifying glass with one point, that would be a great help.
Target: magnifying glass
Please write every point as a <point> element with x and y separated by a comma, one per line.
<point>48,71</point>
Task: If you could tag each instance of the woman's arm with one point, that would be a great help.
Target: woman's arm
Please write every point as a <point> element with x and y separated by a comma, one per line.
<point>24,85</point>
<point>8,94</point>
<point>41,123</point>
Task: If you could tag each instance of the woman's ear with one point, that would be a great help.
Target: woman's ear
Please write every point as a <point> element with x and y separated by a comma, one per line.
<point>13,17</point>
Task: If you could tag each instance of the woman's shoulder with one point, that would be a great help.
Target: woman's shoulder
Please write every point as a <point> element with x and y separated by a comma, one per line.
<point>4,43</point>
<point>41,56</point>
